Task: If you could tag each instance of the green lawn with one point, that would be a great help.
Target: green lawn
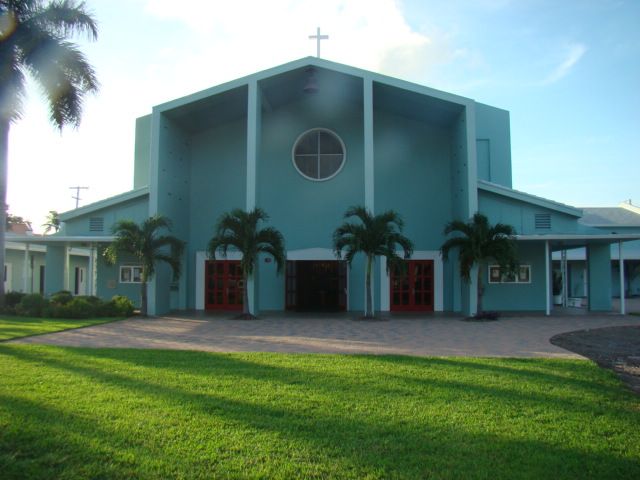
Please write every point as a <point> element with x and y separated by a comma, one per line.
<point>97,413</point>
<point>16,327</point>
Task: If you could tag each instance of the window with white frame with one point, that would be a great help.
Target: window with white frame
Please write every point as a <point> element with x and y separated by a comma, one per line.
<point>318,154</point>
<point>522,274</point>
<point>130,274</point>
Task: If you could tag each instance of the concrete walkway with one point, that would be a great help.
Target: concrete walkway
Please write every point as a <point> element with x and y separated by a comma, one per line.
<point>440,335</point>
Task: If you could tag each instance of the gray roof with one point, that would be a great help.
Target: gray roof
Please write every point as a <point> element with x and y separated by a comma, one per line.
<point>610,217</point>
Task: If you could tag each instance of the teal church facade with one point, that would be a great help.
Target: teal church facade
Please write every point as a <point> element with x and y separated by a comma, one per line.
<point>304,141</point>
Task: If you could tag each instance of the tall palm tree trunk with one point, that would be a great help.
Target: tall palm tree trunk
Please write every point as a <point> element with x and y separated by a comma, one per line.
<point>4,154</point>
<point>480,290</point>
<point>143,298</point>
<point>368,313</point>
<point>245,297</point>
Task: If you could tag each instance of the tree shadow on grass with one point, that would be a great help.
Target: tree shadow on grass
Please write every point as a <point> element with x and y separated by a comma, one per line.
<point>577,374</point>
<point>330,439</point>
<point>316,377</point>
<point>41,441</point>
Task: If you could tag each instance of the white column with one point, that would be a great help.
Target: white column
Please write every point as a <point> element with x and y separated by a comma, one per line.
<point>65,282</point>
<point>253,144</point>
<point>565,278</point>
<point>547,277</point>
<point>253,141</point>
<point>368,144</point>
<point>368,171</point>
<point>25,270</point>
<point>92,274</point>
<point>622,299</point>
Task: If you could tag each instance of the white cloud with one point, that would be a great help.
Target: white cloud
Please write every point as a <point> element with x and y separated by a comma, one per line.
<point>572,55</point>
<point>240,37</point>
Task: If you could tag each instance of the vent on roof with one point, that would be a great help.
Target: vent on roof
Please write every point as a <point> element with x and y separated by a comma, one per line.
<point>96,224</point>
<point>543,221</point>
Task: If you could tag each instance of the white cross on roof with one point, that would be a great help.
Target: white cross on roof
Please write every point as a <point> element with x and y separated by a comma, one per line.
<point>318,38</point>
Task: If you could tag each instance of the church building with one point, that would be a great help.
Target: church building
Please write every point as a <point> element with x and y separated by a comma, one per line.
<point>304,141</point>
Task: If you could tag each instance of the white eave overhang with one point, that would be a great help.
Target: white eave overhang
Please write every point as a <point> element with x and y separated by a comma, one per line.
<point>577,240</point>
<point>63,239</point>
<point>319,63</point>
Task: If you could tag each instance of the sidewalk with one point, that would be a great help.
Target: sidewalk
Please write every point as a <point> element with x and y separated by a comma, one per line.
<point>438,335</point>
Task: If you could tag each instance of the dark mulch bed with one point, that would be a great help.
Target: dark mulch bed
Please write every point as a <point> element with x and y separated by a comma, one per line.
<point>615,348</point>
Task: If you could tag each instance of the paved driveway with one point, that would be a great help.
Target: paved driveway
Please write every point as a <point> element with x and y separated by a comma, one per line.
<point>519,336</point>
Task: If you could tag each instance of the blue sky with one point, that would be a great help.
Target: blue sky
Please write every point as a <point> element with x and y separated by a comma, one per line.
<point>568,72</point>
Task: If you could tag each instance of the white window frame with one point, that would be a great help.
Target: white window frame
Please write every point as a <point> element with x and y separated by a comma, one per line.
<point>505,280</point>
<point>132,269</point>
<point>317,155</point>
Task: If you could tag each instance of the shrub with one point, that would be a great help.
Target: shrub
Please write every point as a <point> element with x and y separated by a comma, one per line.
<point>32,305</point>
<point>80,308</point>
<point>55,310</point>
<point>122,306</point>
<point>11,301</point>
<point>92,299</point>
<point>77,308</point>
<point>61,298</point>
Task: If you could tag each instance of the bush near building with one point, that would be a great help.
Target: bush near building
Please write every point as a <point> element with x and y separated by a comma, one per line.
<point>64,305</point>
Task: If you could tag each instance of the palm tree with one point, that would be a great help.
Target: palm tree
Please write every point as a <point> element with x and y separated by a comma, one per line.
<point>53,222</point>
<point>148,247</point>
<point>375,235</point>
<point>239,230</point>
<point>479,242</point>
<point>33,40</point>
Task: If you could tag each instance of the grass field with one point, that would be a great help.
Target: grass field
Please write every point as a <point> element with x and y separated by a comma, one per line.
<point>83,413</point>
<point>16,327</point>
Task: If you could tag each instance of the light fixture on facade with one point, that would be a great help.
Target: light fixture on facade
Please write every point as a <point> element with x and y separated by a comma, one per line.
<point>312,82</point>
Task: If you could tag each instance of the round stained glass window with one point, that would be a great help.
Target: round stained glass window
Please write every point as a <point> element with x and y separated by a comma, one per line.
<point>318,154</point>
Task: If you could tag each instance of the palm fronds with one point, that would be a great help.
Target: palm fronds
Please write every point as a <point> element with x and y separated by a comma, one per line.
<point>238,230</point>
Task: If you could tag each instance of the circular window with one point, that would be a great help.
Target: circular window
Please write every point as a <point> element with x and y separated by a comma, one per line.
<point>318,154</point>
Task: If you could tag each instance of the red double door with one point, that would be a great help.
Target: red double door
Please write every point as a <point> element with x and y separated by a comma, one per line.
<point>412,290</point>
<point>224,285</point>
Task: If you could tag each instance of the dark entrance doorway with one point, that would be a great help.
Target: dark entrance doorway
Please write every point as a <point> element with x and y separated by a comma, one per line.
<point>413,290</point>
<point>224,285</point>
<point>316,285</point>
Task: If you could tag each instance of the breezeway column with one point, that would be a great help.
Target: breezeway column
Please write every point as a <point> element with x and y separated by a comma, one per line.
<point>25,270</point>
<point>92,273</point>
<point>66,268</point>
<point>599,276</point>
<point>253,144</point>
<point>622,299</point>
<point>547,277</point>
<point>565,278</point>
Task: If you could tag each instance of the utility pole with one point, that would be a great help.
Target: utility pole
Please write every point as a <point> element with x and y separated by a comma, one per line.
<point>77,196</point>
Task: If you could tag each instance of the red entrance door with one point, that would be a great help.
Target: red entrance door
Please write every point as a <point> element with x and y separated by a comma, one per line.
<point>413,289</point>
<point>224,285</point>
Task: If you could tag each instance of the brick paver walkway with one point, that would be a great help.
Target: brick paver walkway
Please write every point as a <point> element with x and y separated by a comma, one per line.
<point>518,336</point>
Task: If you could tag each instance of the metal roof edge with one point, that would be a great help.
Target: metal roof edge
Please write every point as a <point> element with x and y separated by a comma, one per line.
<point>105,203</point>
<point>316,62</point>
<point>529,198</point>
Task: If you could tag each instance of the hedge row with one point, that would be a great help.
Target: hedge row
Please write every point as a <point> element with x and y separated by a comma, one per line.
<point>64,305</point>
